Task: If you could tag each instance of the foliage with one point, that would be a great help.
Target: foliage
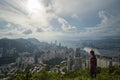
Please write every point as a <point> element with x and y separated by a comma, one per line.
<point>53,62</point>
<point>111,73</point>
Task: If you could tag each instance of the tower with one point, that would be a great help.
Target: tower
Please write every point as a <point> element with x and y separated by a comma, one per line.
<point>1,52</point>
<point>59,44</point>
<point>55,42</point>
<point>78,52</point>
<point>77,59</point>
<point>69,63</point>
<point>35,56</point>
<point>35,59</point>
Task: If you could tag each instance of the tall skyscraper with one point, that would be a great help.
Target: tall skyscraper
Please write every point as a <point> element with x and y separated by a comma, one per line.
<point>35,56</point>
<point>69,63</point>
<point>77,59</point>
<point>78,52</point>
<point>55,42</point>
<point>1,52</point>
<point>19,62</point>
<point>4,54</point>
<point>59,44</point>
<point>35,59</point>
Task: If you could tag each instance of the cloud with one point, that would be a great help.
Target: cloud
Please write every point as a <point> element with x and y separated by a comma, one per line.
<point>39,30</point>
<point>17,18</point>
<point>8,25</point>
<point>16,12</point>
<point>80,7</point>
<point>11,34</point>
<point>66,26</point>
<point>105,17</point>
<point>29,31</point>
<point>109,26</point>
<point>75,16</point>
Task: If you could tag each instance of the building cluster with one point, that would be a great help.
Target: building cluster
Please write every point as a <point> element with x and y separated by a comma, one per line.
<point>9,67</point>
<point>7,53</point>
<point>105,58</point>
<point>54,51</point>
<point>7,71</point>
<point>24,60</point>
<point>74,59</point>
<point>104,61</point>
<point>37,68</point>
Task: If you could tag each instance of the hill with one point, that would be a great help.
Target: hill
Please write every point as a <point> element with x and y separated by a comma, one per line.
<point>21,45</point>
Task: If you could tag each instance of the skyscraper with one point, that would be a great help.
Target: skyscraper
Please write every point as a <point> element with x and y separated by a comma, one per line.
<point>78,52</point>
<point>69,63</point>
<point>59,44</point>
<point>35,59</point>
<point>77,59</point>
<point>55,42</point>
<point>1,52</point>
<point>35,56</point>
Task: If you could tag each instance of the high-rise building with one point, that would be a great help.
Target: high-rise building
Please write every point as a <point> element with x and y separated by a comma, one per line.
<point>35,56</point>
<point>1,52</point>
<point>78,52</point>
<point>4,54</point>
<point>77,59</point>
<point>69,63</point>
<point>19,62</point>
<point>55,42</point>
<point>59,44</point>
<point>35,59</point>
<point>70,59</point>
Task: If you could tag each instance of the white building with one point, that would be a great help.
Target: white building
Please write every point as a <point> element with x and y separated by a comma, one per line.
<point>105,58</point>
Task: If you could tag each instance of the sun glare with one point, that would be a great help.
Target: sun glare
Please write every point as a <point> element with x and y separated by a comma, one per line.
<point>34,6</point>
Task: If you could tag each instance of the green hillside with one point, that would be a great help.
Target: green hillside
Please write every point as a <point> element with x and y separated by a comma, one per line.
<point>111,73</point>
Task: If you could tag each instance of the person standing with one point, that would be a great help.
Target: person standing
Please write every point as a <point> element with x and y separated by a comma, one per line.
<point>92,64</point>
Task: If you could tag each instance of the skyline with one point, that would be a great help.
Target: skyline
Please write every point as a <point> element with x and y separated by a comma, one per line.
<point>59,19</point>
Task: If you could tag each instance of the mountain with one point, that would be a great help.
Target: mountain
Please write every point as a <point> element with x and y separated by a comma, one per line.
<point>34,41</point>
<point>21,45</point>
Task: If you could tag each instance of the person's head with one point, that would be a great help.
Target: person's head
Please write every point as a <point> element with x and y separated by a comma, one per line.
<point>92,53</point>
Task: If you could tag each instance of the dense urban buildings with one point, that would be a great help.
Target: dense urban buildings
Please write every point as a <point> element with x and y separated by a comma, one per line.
<point>53,56</point>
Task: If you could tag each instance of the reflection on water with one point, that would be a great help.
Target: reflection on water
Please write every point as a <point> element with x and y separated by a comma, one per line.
<point>88,49</point>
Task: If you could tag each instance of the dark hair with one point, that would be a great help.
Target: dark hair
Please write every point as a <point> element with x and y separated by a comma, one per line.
<point>92,53</point>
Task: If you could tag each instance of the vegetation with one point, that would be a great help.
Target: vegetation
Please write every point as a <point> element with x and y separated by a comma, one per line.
<point>7,60</point>
<point>53,62</point>
<point>111,73</point>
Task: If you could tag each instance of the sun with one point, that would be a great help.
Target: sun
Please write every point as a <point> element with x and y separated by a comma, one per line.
<point>36,12</point>
<point>34,6</point>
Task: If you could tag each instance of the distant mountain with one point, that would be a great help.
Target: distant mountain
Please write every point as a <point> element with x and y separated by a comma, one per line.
<point>21,44</point>
<point>30,45</point>
<point>34,41</point>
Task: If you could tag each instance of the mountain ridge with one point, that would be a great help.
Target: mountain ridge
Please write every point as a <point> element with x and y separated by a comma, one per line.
<point>20,44</point>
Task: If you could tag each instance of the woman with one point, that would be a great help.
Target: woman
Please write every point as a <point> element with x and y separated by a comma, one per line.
<point>92,64</point>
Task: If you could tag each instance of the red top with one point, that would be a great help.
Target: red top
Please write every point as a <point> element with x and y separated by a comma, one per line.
<point>93,63</point>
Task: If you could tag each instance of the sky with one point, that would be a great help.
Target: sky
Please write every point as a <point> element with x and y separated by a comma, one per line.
<point>60,19</point>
